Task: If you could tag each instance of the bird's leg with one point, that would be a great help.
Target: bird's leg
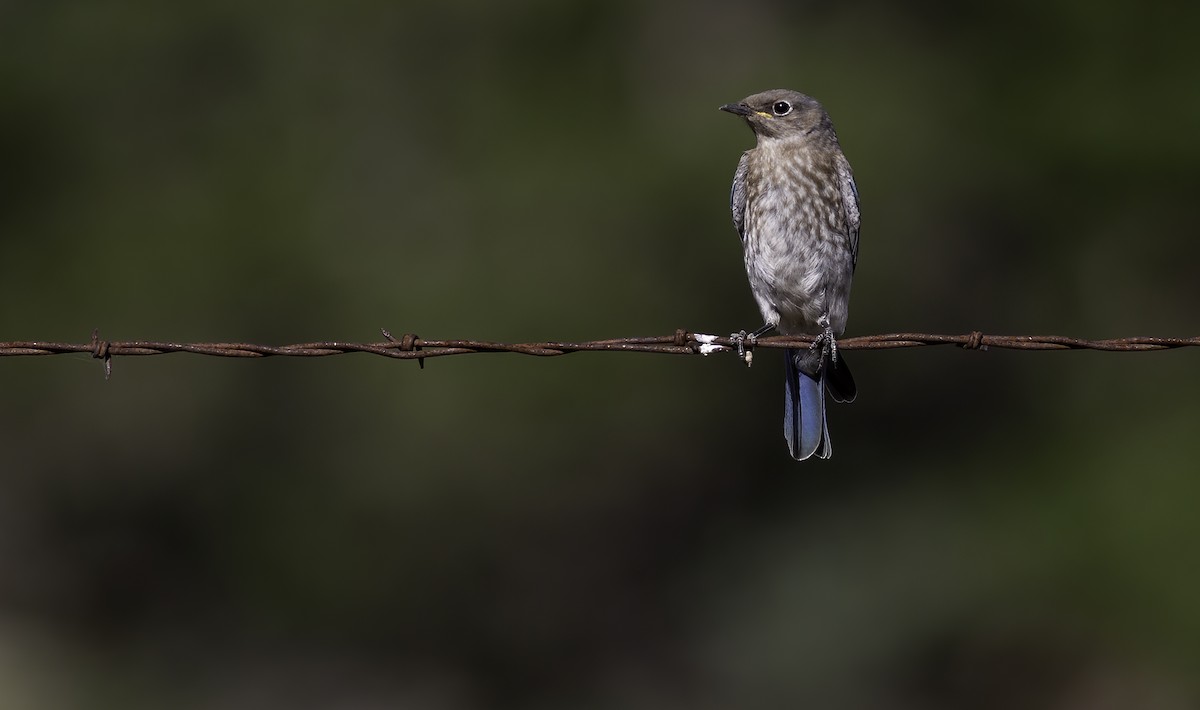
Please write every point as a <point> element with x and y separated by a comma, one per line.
<point>746,341</point>
<point>825,340</point>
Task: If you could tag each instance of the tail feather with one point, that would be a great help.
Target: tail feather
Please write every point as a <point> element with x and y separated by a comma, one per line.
<point>840,382</point>
<point>804,424</point>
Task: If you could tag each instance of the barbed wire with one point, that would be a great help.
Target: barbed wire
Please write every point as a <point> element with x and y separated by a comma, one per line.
<point>412,347</point>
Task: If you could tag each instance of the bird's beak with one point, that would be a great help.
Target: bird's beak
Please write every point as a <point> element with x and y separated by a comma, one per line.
<point>737,109</point>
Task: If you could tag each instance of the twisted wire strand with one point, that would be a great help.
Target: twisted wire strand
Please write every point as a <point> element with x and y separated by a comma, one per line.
<point>682,342</point>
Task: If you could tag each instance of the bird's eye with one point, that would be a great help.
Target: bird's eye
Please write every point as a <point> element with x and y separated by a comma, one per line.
<point>782,108</point>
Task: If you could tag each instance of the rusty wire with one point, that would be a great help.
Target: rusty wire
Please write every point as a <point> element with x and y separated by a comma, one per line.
<point>412,347</point>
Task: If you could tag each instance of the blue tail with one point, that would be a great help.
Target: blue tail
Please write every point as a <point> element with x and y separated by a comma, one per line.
<point>804,424</point>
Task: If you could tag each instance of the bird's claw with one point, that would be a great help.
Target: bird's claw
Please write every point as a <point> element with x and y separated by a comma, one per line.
<point>826,341</point>
<point>745,343</point>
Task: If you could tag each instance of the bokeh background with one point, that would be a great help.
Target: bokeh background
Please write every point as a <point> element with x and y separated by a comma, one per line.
<point>996,529</point>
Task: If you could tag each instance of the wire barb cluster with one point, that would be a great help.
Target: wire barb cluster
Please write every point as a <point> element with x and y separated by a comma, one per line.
<point>412,347</point>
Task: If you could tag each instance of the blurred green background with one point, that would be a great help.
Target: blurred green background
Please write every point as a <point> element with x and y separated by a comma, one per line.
<point>996,530</point>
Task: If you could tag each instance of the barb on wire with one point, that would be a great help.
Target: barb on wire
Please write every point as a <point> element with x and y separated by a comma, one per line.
<point>412,347</point>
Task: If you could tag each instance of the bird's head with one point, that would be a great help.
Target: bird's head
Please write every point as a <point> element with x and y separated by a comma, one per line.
<point>782,113</point>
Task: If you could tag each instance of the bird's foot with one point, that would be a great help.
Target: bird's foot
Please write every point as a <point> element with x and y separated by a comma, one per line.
<point>826,341</point>
<point>745,343</point>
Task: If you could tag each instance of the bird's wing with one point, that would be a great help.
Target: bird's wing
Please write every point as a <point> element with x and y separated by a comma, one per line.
<point>737,198</point>
<point>849,203</point>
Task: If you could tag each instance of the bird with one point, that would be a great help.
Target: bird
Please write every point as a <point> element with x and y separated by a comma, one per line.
<point>795,207</point>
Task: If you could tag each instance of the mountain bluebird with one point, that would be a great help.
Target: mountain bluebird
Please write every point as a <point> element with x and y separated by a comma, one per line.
<point>795,207</point>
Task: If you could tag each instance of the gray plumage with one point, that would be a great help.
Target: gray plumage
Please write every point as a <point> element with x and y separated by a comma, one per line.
<point>795,206</point>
